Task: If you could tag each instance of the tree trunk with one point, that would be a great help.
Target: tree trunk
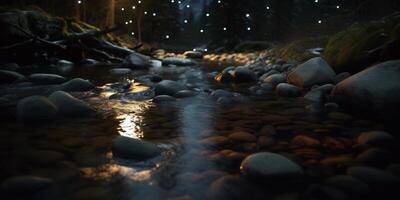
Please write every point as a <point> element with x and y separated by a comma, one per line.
<point>110,21</point>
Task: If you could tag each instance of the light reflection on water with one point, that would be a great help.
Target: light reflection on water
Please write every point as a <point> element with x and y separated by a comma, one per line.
<point>131,118</point>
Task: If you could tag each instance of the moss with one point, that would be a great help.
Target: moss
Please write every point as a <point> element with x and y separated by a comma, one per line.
<point>351,50</point>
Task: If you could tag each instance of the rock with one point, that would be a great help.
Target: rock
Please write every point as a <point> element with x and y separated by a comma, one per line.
<point>373,177</point>
<point>275,79</point>
<point>168,87</point>
<point>315,96</point>
<point>221,93</point>
<point>267,87</point>
<point>215,141</point>
<point>375,90</point>
<point>10,77</point>
<point>227,187</point>
<point>313,72</point>
<point>163,99</point>
<point>65,63</point>
<point>349,185</point>
<point>77,85</point>
<point>267,130</point>
<point>177,61</point>
<point>319,191</point>
<point>244,75</point>
<point>70,106</point>
<point>25,184</point>
<point>224,77</point>
<point>129,148</point>
<point>136,61</point>
<point>89,62</point>
<point>185,93</point>
<point>120,71</point>
<point>302,140</point>
<point>337,160</point>
<point>193,54</point>
<point>340,77</point>
<point>271,168</point>
<point>35,108</point>
<point>10,67</point>
<point>375,157</point>
<point>241,136</point>
<point>288,90</point>
<point>376,138</point>
<point>47,79</point>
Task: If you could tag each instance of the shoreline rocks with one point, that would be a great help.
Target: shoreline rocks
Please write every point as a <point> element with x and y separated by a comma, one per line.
<point>130,148</point>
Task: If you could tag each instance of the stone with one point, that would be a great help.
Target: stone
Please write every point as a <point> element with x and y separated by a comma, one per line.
<point>374,91</point>
<point>76,85</point>
<point>339,160</point>
<point>315,96</point>
<point>185,94</point>
<point>87,62</point>
<point>302,140</point>
<point>10,67</point>
<point>25,184</point>
<point>47,79</point>
<point>340,77</point>
<point>10,77</point>
<point>267,130</point>
<point>35,108</point>
<point>163,99</point>
<point>244,75</point>
<point>168,87</point>
<point>376,138</point>
<point>313,72</point>
<point>225,77</point>
<point>120,71</point>
<point>349,185</point>
<point>221,93</point>
<point>241,136</point>
<point>373,176</point>
<point>275,79</point>
<point>227,187</point>
<point>177,61</point>
<point>271,168</point>
<point>375,157</point>
<point>70,106</point>
<point>319,191</point>
<point>130,148</point>
<point>288,90</point>
<point>136,61</point>
<point>193,54</point>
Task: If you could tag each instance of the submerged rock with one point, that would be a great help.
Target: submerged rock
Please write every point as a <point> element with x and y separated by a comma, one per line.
<point>163,99</point>
<point>375,90</point>
<point>120,71</point>
<point>10,76</point>
<point>168,87</point>
<point>271,168</point>
<point>35,108</point>
<point>77,85</point>
<point>313,72</point>
<point>25,184</point>
<point>47,79</point>
<point>177,61</point>
<point>70,106</point>
<point>129,148</point>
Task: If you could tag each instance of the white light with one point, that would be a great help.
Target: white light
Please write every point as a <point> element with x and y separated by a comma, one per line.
<point>319,21</point>
<point>187,6</point>
<point>337,7</point>
<point>316,1</point>
<point>167,36</point>
<point>139,2</point>
<point>154,14</point>
<point>194,49</point>
<point>122,9</point>
<point>133,33</point>
<point>205,50</point>
<point>249,28</point>
<point>172,1</point>
<point>79,2</point>
<point>207,14</point>
<point>219,1</point>
<point>126,22</point>
<point>268,7</point>
<point>247,15</point>
<point>201,31</point>
<point>224,28</point>
<point>179,2</point>
<point>130,21</point>
<point>133,7</point>
<point>145,12</point>
<point>185,21</point>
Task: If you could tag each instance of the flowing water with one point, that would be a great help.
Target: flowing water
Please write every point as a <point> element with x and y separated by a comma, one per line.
<point>76,153</point>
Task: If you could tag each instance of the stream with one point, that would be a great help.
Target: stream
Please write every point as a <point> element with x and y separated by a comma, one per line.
<point>200,158</point>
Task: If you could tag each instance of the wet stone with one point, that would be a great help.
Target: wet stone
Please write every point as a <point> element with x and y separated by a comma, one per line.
<point>241,136</point>
<point>349,185</point>
<point>376,138</point>
<point>303,140</point>
<point>129,148</point>
<point>373,177</point>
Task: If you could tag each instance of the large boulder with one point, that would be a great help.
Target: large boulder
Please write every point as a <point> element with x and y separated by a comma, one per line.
<point>10,76</point>
<point>35,108</point>
<point>77,85</point>
<point>136,61</point>
<point>375,90</point>
<point>177,61</point>
<point>46,79</point>
<point>271,168</point>
<point>168,87</point>
<point>130,148</point>
<point>70,106</point>
<point>315,71</point>
<point>242,75</point>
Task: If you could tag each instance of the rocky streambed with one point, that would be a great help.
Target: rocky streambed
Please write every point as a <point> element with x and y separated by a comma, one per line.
<point>177,128</point>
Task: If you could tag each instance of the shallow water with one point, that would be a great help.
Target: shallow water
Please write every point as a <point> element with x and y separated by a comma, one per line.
<point>77,152</point>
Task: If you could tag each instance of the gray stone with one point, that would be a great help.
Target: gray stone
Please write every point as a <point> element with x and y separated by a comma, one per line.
<point>185,93</point>
<point>10,76</point>
<point>35,108</point>
<point>168,87</point>
<point>129,148</point>
<point>288,90</point>
<point>70,106</point>
<point>120,71</point>
<point>272,168</point>
<point>375,90</point>
<point>163,99</point>
<point>313,72</point>
<point>275,79</point>
<point>76,85</point>
<point>315,96</point>
<point>375,157</point>
<point>177,61</point>
<point>10,67</point>
<point>47,79</point>
<point>349,185</point>
<point>243,75</point>
<point>136,61</point>
<point>340,77</point>
<point>25,184</point>
<point>376,138</point>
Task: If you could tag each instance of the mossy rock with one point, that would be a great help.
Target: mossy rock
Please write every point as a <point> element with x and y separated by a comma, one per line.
<point>361,45</point>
